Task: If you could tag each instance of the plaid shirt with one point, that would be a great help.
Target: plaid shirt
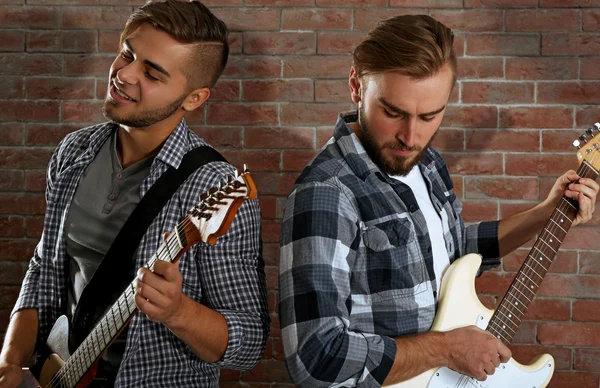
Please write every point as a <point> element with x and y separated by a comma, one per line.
<point>227,277</point>
<point>356,266</point>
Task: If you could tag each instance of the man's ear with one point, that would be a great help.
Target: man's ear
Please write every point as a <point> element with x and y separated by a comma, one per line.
<point>195,99</point>
<point>355,85</point>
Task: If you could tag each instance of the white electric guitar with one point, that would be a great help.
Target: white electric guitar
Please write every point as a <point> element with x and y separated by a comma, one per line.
<point>459,305</point>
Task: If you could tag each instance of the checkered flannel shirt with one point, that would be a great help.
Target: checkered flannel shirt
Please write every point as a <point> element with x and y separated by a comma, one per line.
<point>356,266</point>
<point>227,277</point>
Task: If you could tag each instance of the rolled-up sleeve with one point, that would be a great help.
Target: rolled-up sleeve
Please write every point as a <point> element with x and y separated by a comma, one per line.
<point>320,237</point>
<point>233,279</point>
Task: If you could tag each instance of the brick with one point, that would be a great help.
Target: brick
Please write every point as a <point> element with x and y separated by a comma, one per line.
<point>252,67</point>
<point>475,211</point>
<point>268,207</point>
<point>570,44</point>
<point>12,272</point>
<point>48,134</point>
<point>539,20</point>
<point>11,40</point>
<point>108,41</point>
<point>317,66</point>
<point>586,311</point>
<point>590,68</point>
<point>17,250</point>
<point>556,140</point>
<point>587,360</point>
<point>564,262</point>
<point>26,203</point>
<point>478,68</point>
<point>316,19</point>
<point>30,64</point>
<point>549,309</point>
<point>589,263</point>
<point>470,20</point>
<point>503,44</point>
<point>591,19</point>
<point>541,68</point>
<point>351,3</point>
<point>526,333</point>
<point>24,157</point>
<point>338,42</point>
<point>63,41</point>
<point>8,296</point>
<point>35,180</point>
<point>295,161</point>
<point>536,164</point>
<point>575,379</point>
<point>586,116</point>
<point>503,140</point>
<point>289,3</point>
<point>28,110</point>
<point>63,2</point>
<point>12,87</point>
<point>536,117</point>
<point>277,43</point>
<point>500,3</point>
<point>11,226</point>
<point>271,256</point>
<point>449,140</point>
<point>11,180</point>
<point>323,136</point>
<point>427,3</point>
<point>459,45</point>
<point>28,17</point>
<point>11,134</point>
<point>493,282</point>
<point>457,181</point>
<point>274,183</point>
<point>268,370</point>
<point>235,43</point>
<point>332,91</point>
<point>501,188</point>
<point>270,231</point>
<point>569,3</point>
<point>526,354</point>
<point>473,163</point>
<point>230,375</point>
<point>471,116</point>
<point>82,111</point>
<point>94,17</point>
<point>311,114</point>
<point>572,286</point>
<point>239,114</point>
<point>275,330</point>
<point>246,19</point>
<point>367,18</point>
<point>582,92</point>
<point>34,226</point>
<point>88,65</point>
<point>570,334</point>
<point>280,137</point>
<point>197,116</point>
<point>262,160</point>
<point>220,136</point>
<point>59,88</point>
<point>225,90</point>
<point>497,92</point>
<point>278,90</point>
<point>127,2</point>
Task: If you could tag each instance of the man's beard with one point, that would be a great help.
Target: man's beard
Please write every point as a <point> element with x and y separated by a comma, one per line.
<point>141,119</point>
<point>396,165</point>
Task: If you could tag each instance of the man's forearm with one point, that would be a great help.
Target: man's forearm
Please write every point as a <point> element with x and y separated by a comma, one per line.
<point>21,337</point>
<point>416,354</point>
<point>519,228</point>
<point>202,329</point>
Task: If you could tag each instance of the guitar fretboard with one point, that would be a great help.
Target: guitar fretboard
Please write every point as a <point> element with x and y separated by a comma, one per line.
<point>507,317</point>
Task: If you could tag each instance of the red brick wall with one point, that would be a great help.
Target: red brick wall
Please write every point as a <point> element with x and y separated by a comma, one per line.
<point>528,86</point>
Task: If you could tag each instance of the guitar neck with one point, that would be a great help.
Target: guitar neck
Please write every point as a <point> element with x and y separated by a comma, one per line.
<point>507,317</point>
<point>116,317</point>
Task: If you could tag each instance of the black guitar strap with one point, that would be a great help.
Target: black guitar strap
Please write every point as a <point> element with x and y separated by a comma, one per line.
<point>96,297</point>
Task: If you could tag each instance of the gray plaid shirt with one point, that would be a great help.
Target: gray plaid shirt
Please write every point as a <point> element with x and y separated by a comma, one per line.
<point>227,277</point>
<point>356,266</point>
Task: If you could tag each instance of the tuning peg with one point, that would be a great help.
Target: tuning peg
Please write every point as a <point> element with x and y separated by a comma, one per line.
<point>236,174</point>
<point>590,131</point>
<point>597,126</point>
<point>576,143</point>
<point>583,138</point>
<point>245,168</point>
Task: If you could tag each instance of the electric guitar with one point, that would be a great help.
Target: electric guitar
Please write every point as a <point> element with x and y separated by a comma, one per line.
<point>459,306</point>
<point>206,221</point>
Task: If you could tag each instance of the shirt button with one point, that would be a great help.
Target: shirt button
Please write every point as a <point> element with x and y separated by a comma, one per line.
<point>119,176</point>
<point>412,208</point>
<point>112,196</point>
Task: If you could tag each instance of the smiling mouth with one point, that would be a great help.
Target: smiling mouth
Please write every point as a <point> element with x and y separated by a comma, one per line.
<point>121,94</point>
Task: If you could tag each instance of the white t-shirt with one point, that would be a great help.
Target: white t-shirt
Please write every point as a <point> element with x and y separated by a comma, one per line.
<point>415,181</point>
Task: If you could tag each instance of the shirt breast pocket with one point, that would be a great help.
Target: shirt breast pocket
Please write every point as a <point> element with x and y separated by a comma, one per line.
<point>394,265</point>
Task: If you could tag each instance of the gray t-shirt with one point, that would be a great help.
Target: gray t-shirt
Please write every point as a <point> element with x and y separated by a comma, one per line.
<point>104,199</point>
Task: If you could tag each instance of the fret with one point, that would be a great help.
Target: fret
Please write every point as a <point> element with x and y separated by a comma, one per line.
<point>542,253</point>
<point>510,321</point>
<point>515,305</point>
<point>524,274</point>
<point>499,327</point>
<point>531,268</point>
<point>178,238</point>
<point>513,295</point>
<point>521,292</point>
<point>501,336</point>
<point>556,238</point>
<point>570,204</point>
<point>564,215</point>
<point>549,246</point>
<point>557,224</point>
<point>171,257</point>
<point>504,327</point>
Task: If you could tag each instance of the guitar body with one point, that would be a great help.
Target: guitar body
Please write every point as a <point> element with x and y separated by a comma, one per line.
<point>458,307</point>
<point>45,370</point>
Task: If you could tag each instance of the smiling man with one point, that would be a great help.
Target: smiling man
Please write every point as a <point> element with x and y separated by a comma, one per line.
<point>208,311</point>
<point>373,222</point>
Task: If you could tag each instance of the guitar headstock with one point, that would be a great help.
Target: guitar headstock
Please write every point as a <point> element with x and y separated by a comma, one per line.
<point>212,216</point>
<point>588,149</point>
